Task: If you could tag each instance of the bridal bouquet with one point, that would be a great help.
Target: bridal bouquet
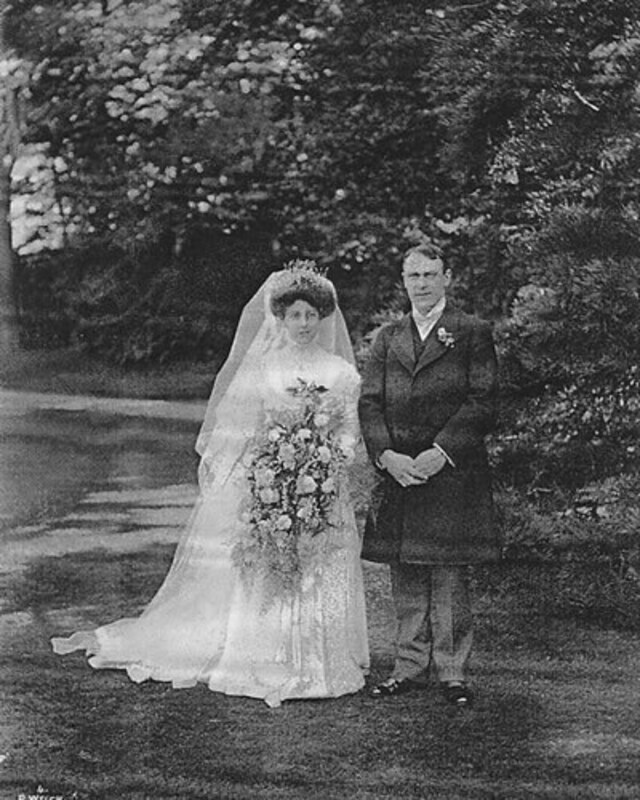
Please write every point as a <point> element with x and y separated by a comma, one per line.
<point>293,474</point>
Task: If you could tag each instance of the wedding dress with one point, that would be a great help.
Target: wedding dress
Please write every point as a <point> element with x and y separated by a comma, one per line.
<point>209,624</point>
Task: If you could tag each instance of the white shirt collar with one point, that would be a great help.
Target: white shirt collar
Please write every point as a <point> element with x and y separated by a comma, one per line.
<point>425,322</point>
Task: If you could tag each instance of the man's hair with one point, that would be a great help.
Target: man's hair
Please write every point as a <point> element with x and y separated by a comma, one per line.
<point>428,250</point>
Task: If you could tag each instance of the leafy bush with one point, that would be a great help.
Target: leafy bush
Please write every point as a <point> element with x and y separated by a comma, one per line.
<point>141,307</point>
<point>576,555</point>
<point>568,353</point>
<point>572,436</point>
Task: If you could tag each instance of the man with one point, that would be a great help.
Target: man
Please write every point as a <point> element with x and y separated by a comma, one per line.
<point>427,402</point>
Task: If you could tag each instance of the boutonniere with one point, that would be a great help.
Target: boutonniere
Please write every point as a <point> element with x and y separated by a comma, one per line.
<point>446,338</point>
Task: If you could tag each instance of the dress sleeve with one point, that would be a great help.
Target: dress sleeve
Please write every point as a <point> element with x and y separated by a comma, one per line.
<point>348,430</point>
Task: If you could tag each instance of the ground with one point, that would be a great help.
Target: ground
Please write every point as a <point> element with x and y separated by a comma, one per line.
<point>556,713</point>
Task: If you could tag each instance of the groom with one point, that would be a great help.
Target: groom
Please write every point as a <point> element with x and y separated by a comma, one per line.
<point>428,399</point>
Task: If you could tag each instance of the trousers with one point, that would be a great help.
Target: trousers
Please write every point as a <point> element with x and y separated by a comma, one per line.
<point>434,627</point>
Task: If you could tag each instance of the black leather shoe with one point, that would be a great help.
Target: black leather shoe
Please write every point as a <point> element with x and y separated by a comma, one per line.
<point>458,695</point>
<point>392,687</point>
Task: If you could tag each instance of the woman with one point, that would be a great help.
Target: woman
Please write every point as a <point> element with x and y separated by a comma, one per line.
<point>264,597</point>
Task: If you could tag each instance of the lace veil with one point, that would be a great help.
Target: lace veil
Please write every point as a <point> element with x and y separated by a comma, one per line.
<point>185,628</point>
<point>233,413</point>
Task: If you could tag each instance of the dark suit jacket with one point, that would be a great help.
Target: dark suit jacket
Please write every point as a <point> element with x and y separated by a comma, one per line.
<point>446,397</point>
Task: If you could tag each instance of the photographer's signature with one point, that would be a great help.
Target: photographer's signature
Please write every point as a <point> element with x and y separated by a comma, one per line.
<point>41,793</point>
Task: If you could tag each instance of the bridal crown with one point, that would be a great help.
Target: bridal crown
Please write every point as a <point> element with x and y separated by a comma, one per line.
<point>301,279</point>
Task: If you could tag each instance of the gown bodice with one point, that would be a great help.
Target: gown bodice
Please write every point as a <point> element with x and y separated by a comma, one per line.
<point>285,368</point>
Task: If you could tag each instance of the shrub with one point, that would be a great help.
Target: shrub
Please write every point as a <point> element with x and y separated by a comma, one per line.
<point>576,555</point>
<point>568,353</point>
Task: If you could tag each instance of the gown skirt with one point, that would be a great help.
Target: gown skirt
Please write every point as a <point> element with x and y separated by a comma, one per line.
<point>208,624</point>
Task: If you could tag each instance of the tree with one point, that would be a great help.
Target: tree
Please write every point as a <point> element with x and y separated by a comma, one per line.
<point>160,116</point>
<point>12,83</point>
<point>542,117</point>
<point>196,145</point>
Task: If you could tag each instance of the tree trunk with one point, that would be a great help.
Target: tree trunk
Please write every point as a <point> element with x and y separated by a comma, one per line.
<point>9,338</point>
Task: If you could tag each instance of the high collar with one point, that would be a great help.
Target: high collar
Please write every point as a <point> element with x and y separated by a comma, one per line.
<point>301,351</point>
<point>425,320</point>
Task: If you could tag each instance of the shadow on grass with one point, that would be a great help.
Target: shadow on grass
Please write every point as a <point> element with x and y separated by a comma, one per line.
<point>97,732</point>
<point>103,736</point>
<point>96,577</point>
<point>529,734</point>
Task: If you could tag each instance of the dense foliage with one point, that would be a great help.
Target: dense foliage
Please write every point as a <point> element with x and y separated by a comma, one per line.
<point>194,145</point>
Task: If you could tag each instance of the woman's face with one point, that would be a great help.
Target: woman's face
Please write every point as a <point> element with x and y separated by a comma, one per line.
<point>301,320</point>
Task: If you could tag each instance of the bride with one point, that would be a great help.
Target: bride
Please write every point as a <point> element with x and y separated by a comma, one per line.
<point>264,597</point>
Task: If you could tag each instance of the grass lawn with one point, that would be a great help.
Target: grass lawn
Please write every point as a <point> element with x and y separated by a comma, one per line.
<point>556,716</point>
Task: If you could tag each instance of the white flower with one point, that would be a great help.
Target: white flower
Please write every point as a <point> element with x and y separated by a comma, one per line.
<point>287,453</point>
<point>265,477</point>
<point>269,496</point>
<point>305,484</point>
<point>303,434</point>
<point>328,486</point>
<point>445,337</point>
<point>321,419</point>
<point>283,522</point>
<point>324,454</point>
<point>274,434</point>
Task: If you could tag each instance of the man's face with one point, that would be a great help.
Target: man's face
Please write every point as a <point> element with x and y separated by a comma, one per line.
<point>426,281</point>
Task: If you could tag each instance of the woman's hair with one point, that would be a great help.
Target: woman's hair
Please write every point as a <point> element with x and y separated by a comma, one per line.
<point>300,282</point>
<point>323,302</point>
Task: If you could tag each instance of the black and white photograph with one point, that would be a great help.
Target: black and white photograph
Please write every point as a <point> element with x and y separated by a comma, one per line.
<point>319,399</point>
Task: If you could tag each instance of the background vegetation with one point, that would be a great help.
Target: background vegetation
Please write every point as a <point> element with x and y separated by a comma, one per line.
<point>173,152</point>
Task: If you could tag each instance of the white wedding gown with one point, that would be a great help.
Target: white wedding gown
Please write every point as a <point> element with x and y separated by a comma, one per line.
<point>205,624</point>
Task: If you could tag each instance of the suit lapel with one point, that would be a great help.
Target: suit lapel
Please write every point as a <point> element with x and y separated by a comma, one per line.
<point>433,347</point>
<point>402,344</point>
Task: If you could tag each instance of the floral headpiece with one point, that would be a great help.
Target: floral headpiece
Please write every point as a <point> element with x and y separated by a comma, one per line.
<point>302,279</point>
<point>305,265</point>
